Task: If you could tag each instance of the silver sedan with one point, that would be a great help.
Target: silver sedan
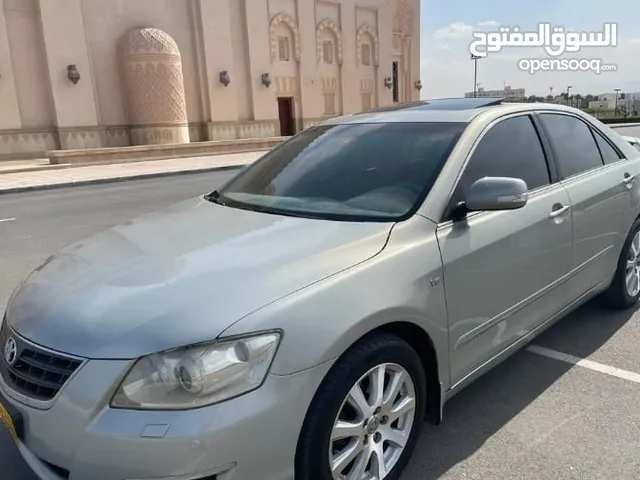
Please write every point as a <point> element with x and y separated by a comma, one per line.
<point>303,319</point>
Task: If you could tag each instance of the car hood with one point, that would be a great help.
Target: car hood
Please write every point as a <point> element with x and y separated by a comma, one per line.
<point>179,277</point>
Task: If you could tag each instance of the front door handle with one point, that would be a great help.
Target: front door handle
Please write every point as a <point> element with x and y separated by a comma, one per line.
<point>560,211</point>
<point>628,178</point>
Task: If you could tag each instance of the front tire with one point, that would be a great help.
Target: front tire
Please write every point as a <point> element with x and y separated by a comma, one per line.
<point>365,418</point>
<point>624,290</point>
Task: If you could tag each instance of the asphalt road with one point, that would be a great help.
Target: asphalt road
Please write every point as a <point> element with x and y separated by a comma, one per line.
<point>533,417</point>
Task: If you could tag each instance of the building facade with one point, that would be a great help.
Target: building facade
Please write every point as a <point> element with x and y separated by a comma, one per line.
<point>109,73</point>
<point>629,102</point>
<point>508,93</point>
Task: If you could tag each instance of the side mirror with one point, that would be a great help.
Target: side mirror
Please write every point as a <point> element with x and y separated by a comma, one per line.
<point>497,193</point>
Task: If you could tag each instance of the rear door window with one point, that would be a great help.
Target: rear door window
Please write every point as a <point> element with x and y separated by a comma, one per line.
<point>608,152</point>
<point>575,149</point>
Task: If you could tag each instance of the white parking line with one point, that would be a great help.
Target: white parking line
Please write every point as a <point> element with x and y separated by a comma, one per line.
<point>6,220</point>
<point>581,362</point>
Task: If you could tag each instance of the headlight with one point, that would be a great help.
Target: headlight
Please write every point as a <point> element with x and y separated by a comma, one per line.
<point>198,376</point>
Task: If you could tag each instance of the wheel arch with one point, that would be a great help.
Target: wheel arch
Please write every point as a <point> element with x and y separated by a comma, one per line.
<point>423,345</point>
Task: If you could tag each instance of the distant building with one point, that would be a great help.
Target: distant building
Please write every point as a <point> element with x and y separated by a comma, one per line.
<point>80,74</point>
<point>602,104</point>
<point>626,101</point>
<point>606,101</point>
<point>508,93</point>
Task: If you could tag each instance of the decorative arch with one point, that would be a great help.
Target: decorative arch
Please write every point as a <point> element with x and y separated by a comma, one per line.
<point>328,25</point>
<point>288,21</point>
<point>368,30</point>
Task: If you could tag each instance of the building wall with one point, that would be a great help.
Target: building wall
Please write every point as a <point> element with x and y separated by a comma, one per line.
<point>507,93</point>
<point>337,56</point>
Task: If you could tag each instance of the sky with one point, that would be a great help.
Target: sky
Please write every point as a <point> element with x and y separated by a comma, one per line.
<point>447,27</point>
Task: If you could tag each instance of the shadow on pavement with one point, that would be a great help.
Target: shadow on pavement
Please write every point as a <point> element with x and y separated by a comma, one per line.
<point>484,407</point>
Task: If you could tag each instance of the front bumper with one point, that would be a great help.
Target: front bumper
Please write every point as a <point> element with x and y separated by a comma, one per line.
<point>250,437</point>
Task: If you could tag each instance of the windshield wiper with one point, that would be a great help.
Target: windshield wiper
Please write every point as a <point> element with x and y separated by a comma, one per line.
<point>217,198</point>
<point>214,197</point>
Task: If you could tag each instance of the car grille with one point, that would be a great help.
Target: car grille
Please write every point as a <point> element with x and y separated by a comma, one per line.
<point>36,373</point>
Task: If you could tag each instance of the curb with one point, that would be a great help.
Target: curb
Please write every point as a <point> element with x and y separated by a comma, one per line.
<point>97,181</point>
<point>40,168</point>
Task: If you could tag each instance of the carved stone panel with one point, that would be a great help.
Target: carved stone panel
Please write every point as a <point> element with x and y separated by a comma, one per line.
<point>154,87</point>
<point>285,85</point>
<point>403,16</point>
<point>329,85</point>
<point>366,85</point>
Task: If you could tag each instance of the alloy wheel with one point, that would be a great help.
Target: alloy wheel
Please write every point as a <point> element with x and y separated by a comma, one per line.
<point>373,424</point>
<point>632,271</point>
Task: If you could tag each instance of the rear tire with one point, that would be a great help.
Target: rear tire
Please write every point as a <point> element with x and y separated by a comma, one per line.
<point>624,290</point>
<point>348,427</point>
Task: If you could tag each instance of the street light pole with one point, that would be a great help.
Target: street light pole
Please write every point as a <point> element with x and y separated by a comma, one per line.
<point>568,89</point>
<point>615,109</point>
<point>475,73</point>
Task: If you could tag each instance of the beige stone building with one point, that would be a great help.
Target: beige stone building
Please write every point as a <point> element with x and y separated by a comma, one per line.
<point>109,73</point>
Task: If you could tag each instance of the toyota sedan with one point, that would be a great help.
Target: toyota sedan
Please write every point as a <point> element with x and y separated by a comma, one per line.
<point>303,319</point>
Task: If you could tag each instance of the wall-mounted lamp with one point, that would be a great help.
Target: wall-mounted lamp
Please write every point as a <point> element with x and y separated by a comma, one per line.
<point>73,74</point>
<point>225,79</point>
<point>266,80</point>
<point>418,85</point>
<point>388,82</point>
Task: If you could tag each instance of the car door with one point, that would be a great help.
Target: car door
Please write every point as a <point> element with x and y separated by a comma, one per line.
<point>503,270</point>
<point>599,182</point>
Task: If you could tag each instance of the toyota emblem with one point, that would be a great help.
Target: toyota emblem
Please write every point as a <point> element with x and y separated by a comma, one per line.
<point>11,351</point>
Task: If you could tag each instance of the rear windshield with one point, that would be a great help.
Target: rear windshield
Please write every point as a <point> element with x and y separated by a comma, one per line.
<point>357,172</point>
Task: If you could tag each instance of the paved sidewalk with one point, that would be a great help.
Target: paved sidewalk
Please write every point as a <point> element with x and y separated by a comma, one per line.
<point>56,178</point>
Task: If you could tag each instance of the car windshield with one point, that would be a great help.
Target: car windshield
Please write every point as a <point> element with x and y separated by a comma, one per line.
<point>354,172</point>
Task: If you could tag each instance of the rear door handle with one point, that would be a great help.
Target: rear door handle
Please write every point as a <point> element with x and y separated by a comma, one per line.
<point>628,178</point>
<point>559,212</point>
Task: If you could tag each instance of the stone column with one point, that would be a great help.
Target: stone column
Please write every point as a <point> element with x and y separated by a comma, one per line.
<point>10,117</point>
<point>154,87</point>
<point>384,30</point>
<point>310,86</point>
<point>215,16</point>
<point>258,21</point>
<point>351,99</point>
<point>65,44</point>
<point>414,50</point>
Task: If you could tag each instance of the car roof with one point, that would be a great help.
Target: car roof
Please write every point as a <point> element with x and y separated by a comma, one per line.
<point>442,110</point>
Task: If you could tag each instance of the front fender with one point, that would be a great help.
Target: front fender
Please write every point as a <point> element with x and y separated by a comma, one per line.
<point>323,320</point>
